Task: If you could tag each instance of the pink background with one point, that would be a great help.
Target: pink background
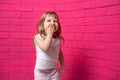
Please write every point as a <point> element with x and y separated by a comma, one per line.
<point>91,29</point>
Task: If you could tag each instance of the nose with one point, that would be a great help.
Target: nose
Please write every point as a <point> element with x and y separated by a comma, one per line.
<point>52,22</point>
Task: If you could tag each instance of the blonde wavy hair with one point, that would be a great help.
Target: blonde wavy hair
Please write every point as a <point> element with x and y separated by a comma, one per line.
<point>40,26</point>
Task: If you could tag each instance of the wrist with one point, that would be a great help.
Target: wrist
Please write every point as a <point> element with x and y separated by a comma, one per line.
<point>50,34</point>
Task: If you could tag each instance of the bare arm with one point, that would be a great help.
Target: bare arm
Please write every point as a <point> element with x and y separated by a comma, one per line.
<point>44,44</point>
<point>61,60</point>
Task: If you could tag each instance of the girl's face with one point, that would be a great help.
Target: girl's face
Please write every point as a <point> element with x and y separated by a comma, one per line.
<point>50,20</point>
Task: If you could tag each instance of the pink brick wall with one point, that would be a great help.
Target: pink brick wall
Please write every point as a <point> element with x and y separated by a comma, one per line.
<point>91,29</point>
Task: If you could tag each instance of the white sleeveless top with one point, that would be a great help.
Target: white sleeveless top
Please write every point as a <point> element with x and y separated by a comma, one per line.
<point>48,59</point>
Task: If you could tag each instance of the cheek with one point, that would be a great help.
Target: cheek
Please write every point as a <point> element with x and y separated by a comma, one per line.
<point>46,25</point>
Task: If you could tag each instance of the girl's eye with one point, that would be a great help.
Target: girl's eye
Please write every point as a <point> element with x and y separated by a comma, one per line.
<point>55,21</point>
<point>48,20</point>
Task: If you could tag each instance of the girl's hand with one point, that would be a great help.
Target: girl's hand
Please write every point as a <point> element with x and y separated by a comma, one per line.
<point>62,69</point>
<point>50,29</point>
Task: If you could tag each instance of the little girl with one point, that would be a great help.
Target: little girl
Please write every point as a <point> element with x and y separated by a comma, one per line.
<point>47,42</point>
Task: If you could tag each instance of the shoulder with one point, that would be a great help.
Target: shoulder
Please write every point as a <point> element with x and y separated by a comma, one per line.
<point>37,36</point>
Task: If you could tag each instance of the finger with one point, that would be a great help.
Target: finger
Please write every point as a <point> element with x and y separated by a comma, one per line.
<point>51,25</point>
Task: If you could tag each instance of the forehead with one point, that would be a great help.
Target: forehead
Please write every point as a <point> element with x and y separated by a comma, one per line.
<point>51,17</point>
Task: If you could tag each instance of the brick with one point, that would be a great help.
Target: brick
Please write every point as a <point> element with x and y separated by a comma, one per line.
<point>95,29</point>
<point>89,53</point>
<point>4,35</point>
<point>68,36</point>
<point>112,37</point>
<point>4,21</point>
<point>15,49</point>
<point>20,76</point>
<point>27,22</point>
<point>102,3</point>
<point>27,56</point>
<point>79,52</point>
<point>14,28</point>
<point>45,2</point>
<point>91,62</point>
<point>113,29</point>
<point>28,29</point>
<point>4,42</point>
<point>68,29</point>
<point>37,15</point>
<point>16,2</point>
<point>118,76</point>
<point>80,13</point>
<point>4,76</point>
<point>102,63</point>
<point>80,38</point>
<point>15,14</point>
<point>107,20</point>
<point>85,5</point>
<point>110,63</point>
<point>60,14</point>
<point>65,7</point>
<point>15,7</point>
<point>4,28</point>
<point>4,62</point>
<point>14,69</point>
<point>94,37</point>
<point>4,49</point>
<point>65,1</point>
<point>76,46</point>
<point>9,14</point>
<point>26,42</point>
<point>44,8</point>
<point>80,21</point>
<point>5,1</point>
<point>4,69</point>
<point>26,8</point>
<point>96,12</point>
<point>4,56</point>
<point>80,30</point>
<point>95,77</point>
<point>4,7</point>
<point>26,35</point>
<point>20,22</point>
<point>30,2</point>
<point>15,42</point>
<point>90,20</point>
<point>95,45</point>
<point>114,46</point>
<point>16,22</point>
<point>27,69</point>
<point>27,15</point>
<point>15,35</point>
<point>21,8</point>
<point>26,49</point>
<point>27,63</point>
<point>71,14</point>
<point>107,73</point>
<point>85,21</point>
<point>14,56</point>
<point>106,55</point>
<point>113,10</point>
<point>5,14</point>
<point>16,63</point>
